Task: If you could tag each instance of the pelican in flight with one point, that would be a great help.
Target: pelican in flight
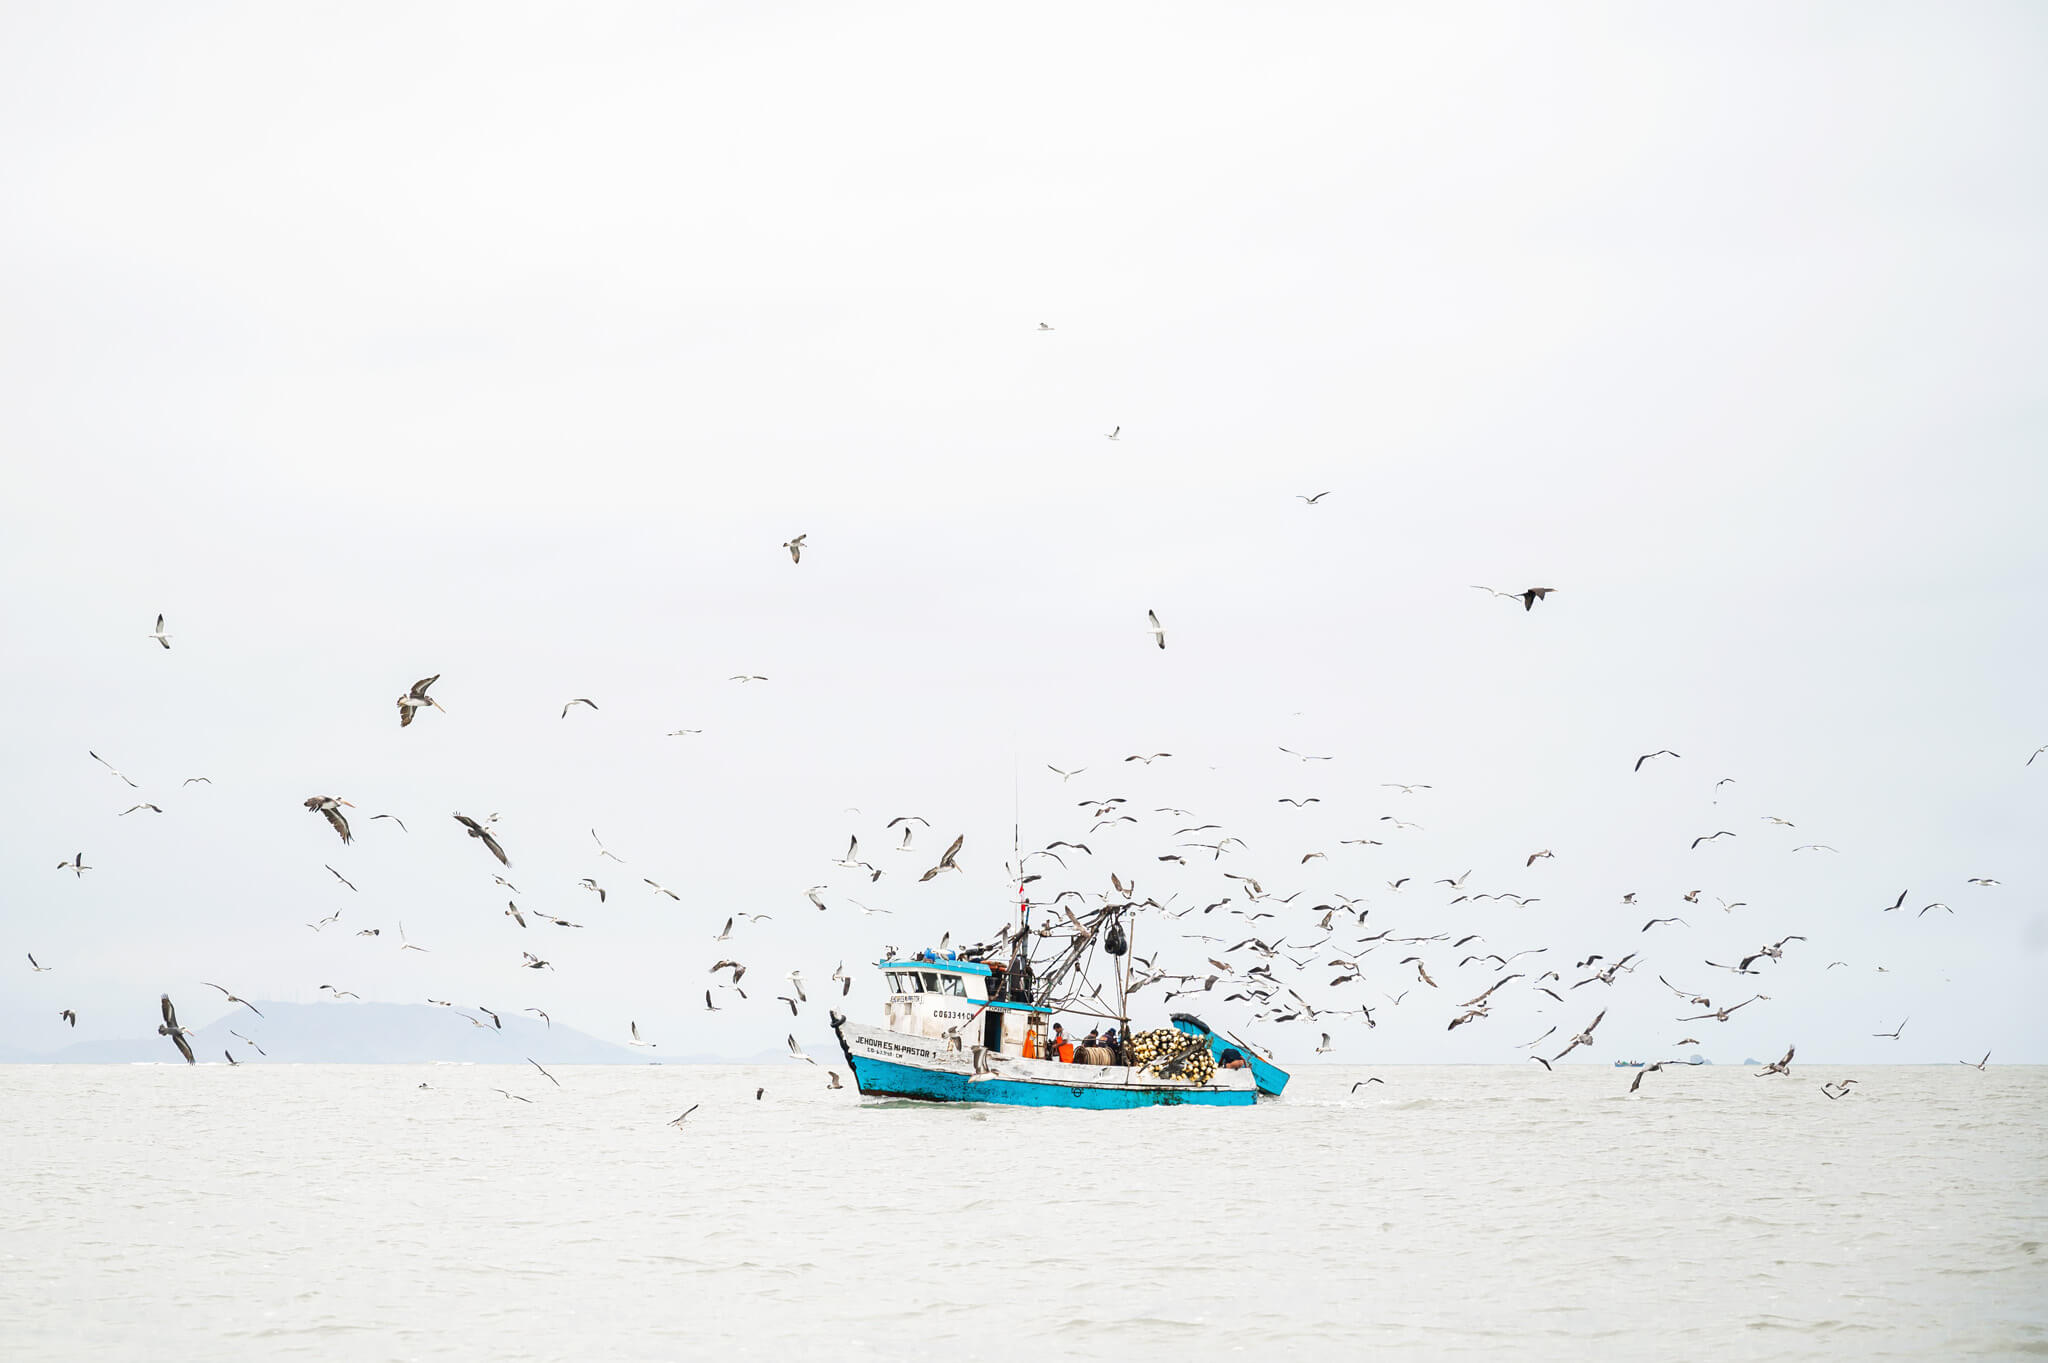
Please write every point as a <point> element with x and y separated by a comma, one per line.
<point>417,698</point>
<point>946,863</point>
<point>330,807</point>
<point>476,830</point>
<point>169,1027</point>
<point>1584,1038</point>
<point>158,633</point>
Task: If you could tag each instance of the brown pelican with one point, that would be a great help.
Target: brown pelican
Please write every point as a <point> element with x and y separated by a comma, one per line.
<point>329,806</point>
<point>1584,1038</point>
<point>169,1027</point>
<point>476,830</point>
<point>1782,1065</point>
<point>1720,1014</point>
<point>416,699</point>
<point>946,863</point>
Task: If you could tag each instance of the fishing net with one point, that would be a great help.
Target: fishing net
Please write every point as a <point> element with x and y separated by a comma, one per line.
<point>1172,1054</point>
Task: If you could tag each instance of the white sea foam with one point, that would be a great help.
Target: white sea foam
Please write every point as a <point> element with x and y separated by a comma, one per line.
<point>339,1212</point>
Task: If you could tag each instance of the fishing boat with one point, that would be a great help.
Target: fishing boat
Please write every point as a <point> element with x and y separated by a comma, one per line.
<point>982,1024</point>
<point>1628,1064</point>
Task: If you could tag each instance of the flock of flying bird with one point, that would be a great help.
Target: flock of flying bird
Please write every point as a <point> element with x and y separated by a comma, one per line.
<point>1274,948</point>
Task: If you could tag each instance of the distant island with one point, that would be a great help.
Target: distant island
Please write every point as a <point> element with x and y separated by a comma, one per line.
<point>378,1034</point>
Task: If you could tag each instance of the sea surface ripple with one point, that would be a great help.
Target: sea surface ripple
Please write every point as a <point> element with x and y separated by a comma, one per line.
<point>412,1212</point>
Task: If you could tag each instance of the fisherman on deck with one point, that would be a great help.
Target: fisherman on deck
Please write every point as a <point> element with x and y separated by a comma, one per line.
<point>1231,1059</point>
<point>1057,1047</point>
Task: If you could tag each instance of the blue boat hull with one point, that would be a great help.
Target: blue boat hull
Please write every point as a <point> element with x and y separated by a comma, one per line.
<point>1270,1078</point>
<point>887,1078</point>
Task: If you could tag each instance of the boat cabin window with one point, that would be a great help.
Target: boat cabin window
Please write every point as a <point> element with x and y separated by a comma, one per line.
<point>900,983</point>
<point>952,984</point>
<point>931,981</point>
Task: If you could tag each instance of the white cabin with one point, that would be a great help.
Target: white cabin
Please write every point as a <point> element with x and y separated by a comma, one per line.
<point>935,996</point>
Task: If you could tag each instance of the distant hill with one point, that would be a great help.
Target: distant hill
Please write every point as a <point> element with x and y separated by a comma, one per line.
<point>377,1034</point>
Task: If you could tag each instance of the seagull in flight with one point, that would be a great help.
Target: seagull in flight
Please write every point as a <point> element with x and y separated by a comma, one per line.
<point>1114,433</point>
<point>236,999</point>
<point>1661,752</point>
<point>796,547</point>
<point>158,633</point>
<point>157,809</point>
<point>1709,837</point>
<point>1299,497</point>
<point>1894,1035</point>
<point>636,1041</point>
<point>796,1052</point>
<point>110,767</point>
<point>1157,631</point>
<point>38,969</point>
<point>580,700</point>
<point>1065,776</point>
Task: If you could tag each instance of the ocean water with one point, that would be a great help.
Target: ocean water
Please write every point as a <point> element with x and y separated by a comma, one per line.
<point>341,1212</point>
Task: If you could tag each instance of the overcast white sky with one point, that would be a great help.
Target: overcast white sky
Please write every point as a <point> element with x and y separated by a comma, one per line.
<point>368,342</point>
